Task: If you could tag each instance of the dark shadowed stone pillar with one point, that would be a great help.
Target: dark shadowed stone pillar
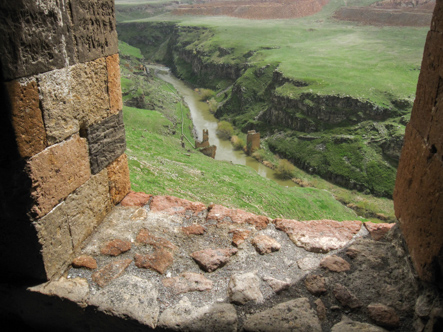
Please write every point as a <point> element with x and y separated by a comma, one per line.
<point>418,195</point>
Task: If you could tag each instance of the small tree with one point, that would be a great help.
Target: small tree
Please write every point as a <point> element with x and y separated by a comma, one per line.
<point>237,142</point>
<point>224,130</point>
<point>212,103</point>
<point>285,169</point>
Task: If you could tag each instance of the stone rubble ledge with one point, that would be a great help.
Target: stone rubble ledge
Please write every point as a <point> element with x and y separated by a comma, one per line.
<point>142,263</point>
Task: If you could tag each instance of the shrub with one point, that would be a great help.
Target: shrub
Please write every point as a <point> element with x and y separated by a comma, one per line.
<point>206,94</point>
<point>237,142</point>
<point>285,169</point>
<point>259,155</point>
<point>224,130</point>
<point>212,103</point>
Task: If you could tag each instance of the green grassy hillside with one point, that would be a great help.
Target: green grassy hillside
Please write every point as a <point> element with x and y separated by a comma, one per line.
<point>159,165</point>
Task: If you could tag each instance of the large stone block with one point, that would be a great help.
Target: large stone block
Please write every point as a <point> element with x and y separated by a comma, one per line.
<point>94,28</point>
<point>26,117</point>
<point>62,230</point>
<point>55,239</point>
<point>114,85</point>
<point>35,37</point>
<point>419,204</point>
<point>119,182</point>
<point>87,207</point>
<point>74,98</point>
<point>429,83</point>
<point>56,172</point>
<point>106,141</point>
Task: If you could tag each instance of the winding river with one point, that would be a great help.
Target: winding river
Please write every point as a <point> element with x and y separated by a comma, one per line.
<point>203,119</point>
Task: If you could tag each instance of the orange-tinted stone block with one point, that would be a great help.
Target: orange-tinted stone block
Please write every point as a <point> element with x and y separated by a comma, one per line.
<point>119,183</point>
<point>27,117</point>
<point>114,86</point>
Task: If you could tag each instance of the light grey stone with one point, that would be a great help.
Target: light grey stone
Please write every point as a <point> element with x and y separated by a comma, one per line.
<point>244,288</point>
<point>294,315</point>
<point>75,289</point>
<point>352,326</point>
<point>185,317</point>
<point>129,296</point>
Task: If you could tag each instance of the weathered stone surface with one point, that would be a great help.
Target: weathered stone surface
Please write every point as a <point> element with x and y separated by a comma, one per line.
<point>85,261</point>
<point>437,19</point>
<point>114,85</point>
<point>335,264</point>
<point>194,230</point>
<point>110,272</point>
<point>243,288</point>
<point>119,182</point>
<point>136,199</point>
<point>265,244</point>
<point>345,297</point>
<point>294,315</point>
<point>352,252</point>
<point>115,247</point>
<point>27,117</point>
<point>157,242</point>
<point>308,263</point>
<point>140,214</point>
<point>185,317</point>
<point>174,205</point>
<point>383,315</point>
<point>63,229</point>
<point>211,259</point>
<point>221,213</point>
<point>321,309</point>
<point>319,235</point>
<point>106,141</point>
<point>378,231</point>
<point>129,296</point>
<point>87,206</point>
<point>73,98</point>
<point>55,239</point>
<point>75,289</point>
<point>58,171</point>
<point>351,326</point>
<point>425,303</point>
<point>188,282</point>
<point>94,28</point>
<point>158,261</point>
<point>419,205</point>
<point>239,236</point>
<point>277,285</point>
<point>315,284</point>
<point>41,37</point>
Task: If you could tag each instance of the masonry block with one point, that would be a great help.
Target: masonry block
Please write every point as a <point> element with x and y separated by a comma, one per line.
<point>94,28</point>
<point>26,117</point>
<point>62,230</point>
<point>56,172</point>
<point>106,141</point>
<point>114,85</point>
<point>35,37</point>
<point>74,98</point>
<point>87,206</point>
<point>419,205</point>
<point>55,239</point>
<point>252,141</point>
<point>118,175</point>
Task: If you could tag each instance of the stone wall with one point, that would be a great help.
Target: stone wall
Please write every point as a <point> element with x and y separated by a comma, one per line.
<point>63,164</point>
<point>418,193</point>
